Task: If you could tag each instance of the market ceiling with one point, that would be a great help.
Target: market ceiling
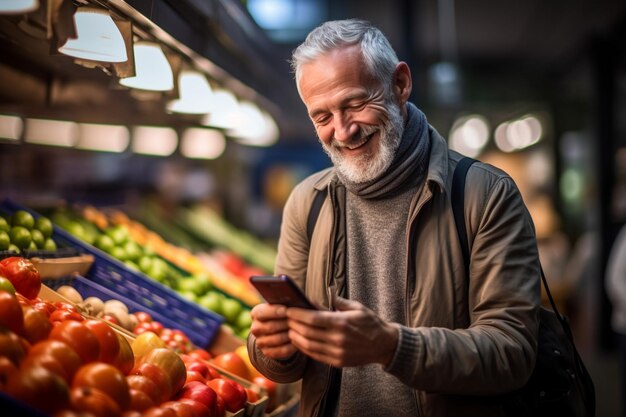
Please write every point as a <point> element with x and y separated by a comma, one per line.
<point>508,41</point>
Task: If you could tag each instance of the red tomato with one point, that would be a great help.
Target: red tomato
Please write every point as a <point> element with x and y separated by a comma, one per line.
<point>197,366</point>
<point>11,346</point>
<point>62,352</point>
<point>40,388</point>
<point>253,396</point>
<point>79,337</point>
<point>142,327</point>
<point>200,392</point>
<point>11,315</point>
<point>142,317</point>
<point>59,315</point>
<point>37,327</point>
<point>7,368</point>
<point>231,362</point>
<point>140,401</point>
<point>44,307</point>
<point>194,376</point>
<point>23,275</point>
<point>106,378</point>
<point>158,376</point>
<point>171,363</point>
<point>269,386</point>
<point>199,409</point>
<point>159,412</point>
<point>144,384</point>
<point>93,401</point>
<point>181,409</point>
<point>109,343</point>
<point>200,354</point>
<point>46,361</point>
<point>62,305</point>
<point>233,394</point>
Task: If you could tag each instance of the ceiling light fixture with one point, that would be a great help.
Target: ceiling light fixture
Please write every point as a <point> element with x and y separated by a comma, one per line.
<point>18,6</point>
<point>195,94</point>
<point>152,70</point>
<point>224,115</point>
<point>98,37</point>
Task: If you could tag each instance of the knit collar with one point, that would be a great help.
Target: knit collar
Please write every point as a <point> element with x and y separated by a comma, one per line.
<point>409,163</point>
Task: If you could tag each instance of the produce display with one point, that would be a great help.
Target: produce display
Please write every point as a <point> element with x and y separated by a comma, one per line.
<point>142,251</point>
<point>21,231</point>
<point>56,357</point>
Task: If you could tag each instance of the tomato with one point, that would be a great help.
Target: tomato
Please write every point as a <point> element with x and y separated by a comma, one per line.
<point>144,384</point>
<point>145,342</point>
<point>159,412</point>
<point>37,327</point>
<point>199,409</point>
<point>200,392</point>
<point>200,354</point>
<point>253,396</point>
<point>171,363</point>
<point>62,352</point>
<point>93,401</point>
<point>233,394</point>
<point>125,359</point>
<point>59,315</point>
<point>44,307</point>
<point>40,388</point>
<point>11,315</point>
<point>140,401</point>
<point>269,386</point>
<point>156,375</point>
<point>181,409</point>
<point>195,376</point>
<point>7,368</point>
<point>109,343</point>
<point>46,361</point>
<point>11,346</point>
<point>106,378</point>
<point>23,275</point>
<point>79,337</point>
<point>142,317</point>
<point>231,362</point>
<point>62,305</point>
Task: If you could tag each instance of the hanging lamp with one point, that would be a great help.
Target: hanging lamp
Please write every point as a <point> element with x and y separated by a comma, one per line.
<point>98,38</point>
<point>195,94</point>
<point>18,6</point>
<point>153,71</point>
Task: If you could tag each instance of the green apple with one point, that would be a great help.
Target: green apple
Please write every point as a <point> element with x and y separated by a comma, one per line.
<point>104,243</point>
<point>191,296</point>
<point>44,225</point>
<point>212,301</point>
<point>231,309</point>
<point>49,244</point>
<point>119,234</point>
<point>133,250</point>
<point>190,285</point>
<point>243,321</point>
<point>4,225</point>
<point>38,238</point>
<point>5,240</point>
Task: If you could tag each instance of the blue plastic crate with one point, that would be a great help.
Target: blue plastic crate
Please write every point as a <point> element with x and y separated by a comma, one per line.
<point>114,275</point>
<point>88,288</point>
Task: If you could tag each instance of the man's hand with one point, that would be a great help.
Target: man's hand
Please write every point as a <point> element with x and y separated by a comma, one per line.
<point>269,326</point>
<point>351,336</point>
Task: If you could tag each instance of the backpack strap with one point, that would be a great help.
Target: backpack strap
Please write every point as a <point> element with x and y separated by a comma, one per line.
<point>314,212</point>
<point>457,199</point>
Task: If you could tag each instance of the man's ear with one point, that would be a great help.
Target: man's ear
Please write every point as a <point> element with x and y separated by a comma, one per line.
<point>402,82</point>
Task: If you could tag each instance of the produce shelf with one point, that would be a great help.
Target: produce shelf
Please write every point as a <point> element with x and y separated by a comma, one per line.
<point>108,272</point>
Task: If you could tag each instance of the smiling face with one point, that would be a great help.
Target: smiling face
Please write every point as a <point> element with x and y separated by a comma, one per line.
<point>357,122</point>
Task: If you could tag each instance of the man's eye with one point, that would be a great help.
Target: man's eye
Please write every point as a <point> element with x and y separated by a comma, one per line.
<point>320,120</point>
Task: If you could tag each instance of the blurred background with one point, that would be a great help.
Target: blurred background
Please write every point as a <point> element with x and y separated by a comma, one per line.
<point>537,88</point>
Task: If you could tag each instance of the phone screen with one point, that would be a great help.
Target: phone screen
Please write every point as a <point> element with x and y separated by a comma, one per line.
<point>281,290</point>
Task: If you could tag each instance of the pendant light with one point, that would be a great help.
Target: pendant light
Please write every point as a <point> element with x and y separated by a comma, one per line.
<point>18,6</point>
<point>152,70</point>
<point>98,38</point>
<point>225,114</point>
<point>195,94</point>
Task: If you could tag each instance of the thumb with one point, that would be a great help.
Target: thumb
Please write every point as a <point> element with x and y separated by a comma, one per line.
<point>343,304</point>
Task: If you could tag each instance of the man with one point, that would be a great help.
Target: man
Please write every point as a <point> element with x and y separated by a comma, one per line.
<point>400,331</point>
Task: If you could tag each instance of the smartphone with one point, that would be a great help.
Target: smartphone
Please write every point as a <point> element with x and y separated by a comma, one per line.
<point>281,290</point>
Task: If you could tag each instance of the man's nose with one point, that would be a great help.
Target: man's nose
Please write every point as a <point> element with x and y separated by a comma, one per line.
<point>344,128</point>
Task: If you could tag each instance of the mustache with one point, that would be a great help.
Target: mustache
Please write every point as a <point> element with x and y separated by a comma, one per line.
<point>364,132</point>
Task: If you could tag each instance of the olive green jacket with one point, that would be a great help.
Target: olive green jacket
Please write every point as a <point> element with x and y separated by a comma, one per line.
<point>464,341</point>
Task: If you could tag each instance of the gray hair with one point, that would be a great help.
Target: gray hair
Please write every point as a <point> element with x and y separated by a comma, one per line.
<point>378,54</point>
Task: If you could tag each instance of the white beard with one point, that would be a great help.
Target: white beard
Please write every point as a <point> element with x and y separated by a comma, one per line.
<point>370,164</point>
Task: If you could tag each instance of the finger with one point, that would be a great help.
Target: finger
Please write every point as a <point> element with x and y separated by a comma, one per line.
<point>321,319</point>
<point>266,311</point>
<point>280,352</point>
<point>343,304</point>
<point>273,340</point>
<point>312,347</point>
